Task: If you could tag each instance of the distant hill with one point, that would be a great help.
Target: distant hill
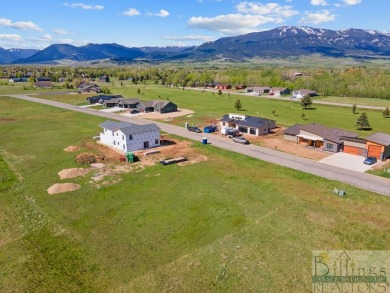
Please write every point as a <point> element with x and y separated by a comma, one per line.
<point>276,43</point>
<point>11,55</point>
<point>85,53</point>
<point>295,41</point>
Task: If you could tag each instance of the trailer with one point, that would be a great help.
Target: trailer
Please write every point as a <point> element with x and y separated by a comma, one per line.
<point>172,161</point>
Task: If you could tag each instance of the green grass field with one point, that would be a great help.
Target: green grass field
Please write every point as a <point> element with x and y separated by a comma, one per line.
<point>208,105</point>
<point>229,224</point>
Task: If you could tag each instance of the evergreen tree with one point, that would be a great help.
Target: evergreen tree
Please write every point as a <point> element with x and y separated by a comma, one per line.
<point>362,121</point>
<point>386,113</point>
<point>354,108</point>
<point>238,105</point>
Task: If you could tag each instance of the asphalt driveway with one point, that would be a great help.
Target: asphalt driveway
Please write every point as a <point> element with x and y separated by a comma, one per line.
<point>347,161</point>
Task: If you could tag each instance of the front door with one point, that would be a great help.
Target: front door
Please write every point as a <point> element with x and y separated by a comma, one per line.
<point>146,144</point>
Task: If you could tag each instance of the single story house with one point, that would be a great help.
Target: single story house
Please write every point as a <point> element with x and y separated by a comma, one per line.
<point>111,102</point>
<point>299,94</point>
<point>128,103</point>
<point>19,79</point>
<point>247,124</point>
<point>258,90</point>
<point>319,136</point>
<point>378,145</point>
<point>104,78</point>
<point>43,78</point>
<point>86,88</point>
<point>223,87</point>
<point>292,132</point>
<point>156,106</point>
<point>280,91</point>
<point>128,137</point>
<point>240,87</point>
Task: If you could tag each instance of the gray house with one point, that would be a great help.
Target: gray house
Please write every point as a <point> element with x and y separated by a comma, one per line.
<point>247,124</point>
<point>319,136</point>
<point>128,103</point>
<point>156,106</point>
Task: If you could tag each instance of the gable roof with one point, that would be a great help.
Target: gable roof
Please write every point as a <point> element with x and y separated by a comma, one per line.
<point>128,128</point>
<point>150,104</point>
<point>293,130</point>
<point>328,133</point>
<point>248,121</point>
<point>379,138</point>
<point>129,101</point>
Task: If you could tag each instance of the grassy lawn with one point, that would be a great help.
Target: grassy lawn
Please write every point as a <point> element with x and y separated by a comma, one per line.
<point>228,224</point>
<point>355,100</point>
<point>210,106</point>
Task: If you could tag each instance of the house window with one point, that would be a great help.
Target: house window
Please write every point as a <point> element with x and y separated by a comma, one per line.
<point>223,123</point>
<point>252,131</point>
<point>329,146</point>
<point>124,147</point>
<point>123,137</point>
<point>156,141</point>
<point>130,137</point>
<point>117,134</point>
<point>114,142</point>
<point>113,133</point>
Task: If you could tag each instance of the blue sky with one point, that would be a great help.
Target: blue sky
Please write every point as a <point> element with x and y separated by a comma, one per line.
<point>137,23</point>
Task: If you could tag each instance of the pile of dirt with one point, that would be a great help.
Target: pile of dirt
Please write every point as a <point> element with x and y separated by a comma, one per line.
<point>72,148</point>
<point>88,158</point>
<point>72,173</point>
<point>61,188</point>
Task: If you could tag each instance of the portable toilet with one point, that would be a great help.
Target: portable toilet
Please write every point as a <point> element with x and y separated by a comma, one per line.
<point>204,140</point>
<point>130,157</point>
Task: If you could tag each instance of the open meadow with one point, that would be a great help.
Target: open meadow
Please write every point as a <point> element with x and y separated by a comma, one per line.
<point>227,224</point>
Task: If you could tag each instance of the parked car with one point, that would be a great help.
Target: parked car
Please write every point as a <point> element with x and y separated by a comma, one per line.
<point>134,111</point>
<point>194,129</point>
<point>370,161</point>
<point>240,140</point>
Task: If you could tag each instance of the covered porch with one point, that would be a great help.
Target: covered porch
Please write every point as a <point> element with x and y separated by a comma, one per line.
<point>310,141</point>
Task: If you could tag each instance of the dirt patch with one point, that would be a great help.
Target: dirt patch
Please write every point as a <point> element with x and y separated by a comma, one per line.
<point>275,141</point>
<point>382,165</point>
<point>72,148</point>
<point>61,188</point>
<point>110,155</point>
<point>72,173</point>
<point>5,120</point>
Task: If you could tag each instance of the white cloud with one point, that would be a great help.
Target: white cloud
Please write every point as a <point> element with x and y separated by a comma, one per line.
<point>24,25</point>
<point>318,2</point>
<point>161,13</point>
<point>232,24</point>
<point>84,6</point>
<point>65,41</point>
<point>352,2</point>
<point>271,9</point>
<point>61,32</point>
<point>131,12</point>
<point>190,38</point>
<point>11,37</point>
<point>318,17</point>
<point>46,37</point>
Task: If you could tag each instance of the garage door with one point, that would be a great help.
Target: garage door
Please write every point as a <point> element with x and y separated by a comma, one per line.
<point>374,151</point>
<point>353,150</point>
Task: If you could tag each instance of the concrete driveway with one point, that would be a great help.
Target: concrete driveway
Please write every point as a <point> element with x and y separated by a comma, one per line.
<point>347,161</point>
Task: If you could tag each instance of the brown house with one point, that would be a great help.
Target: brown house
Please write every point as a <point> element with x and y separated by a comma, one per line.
<point>378,145</point>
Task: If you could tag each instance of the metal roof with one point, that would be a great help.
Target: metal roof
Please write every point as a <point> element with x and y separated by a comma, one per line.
<point>128,128</point>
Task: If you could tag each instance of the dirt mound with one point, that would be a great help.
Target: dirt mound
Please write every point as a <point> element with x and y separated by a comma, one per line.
<point>61,188</point>
<point>72,173</point>
<point>88,158</point>
<point>72,148</point>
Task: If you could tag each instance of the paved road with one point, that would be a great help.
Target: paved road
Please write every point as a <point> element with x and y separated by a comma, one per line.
<point>293,100</point>
<point>362,180</point>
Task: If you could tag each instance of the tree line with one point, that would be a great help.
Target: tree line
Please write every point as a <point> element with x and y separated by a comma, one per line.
<point>353,81</point>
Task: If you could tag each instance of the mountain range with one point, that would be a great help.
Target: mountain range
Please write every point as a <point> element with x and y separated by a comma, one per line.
<point>279,42</point>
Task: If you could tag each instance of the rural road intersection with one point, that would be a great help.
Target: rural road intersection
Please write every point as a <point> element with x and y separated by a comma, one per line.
<point>362,180</point>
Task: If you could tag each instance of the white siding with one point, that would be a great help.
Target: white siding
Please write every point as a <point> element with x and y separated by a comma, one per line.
<point>122,142</point>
